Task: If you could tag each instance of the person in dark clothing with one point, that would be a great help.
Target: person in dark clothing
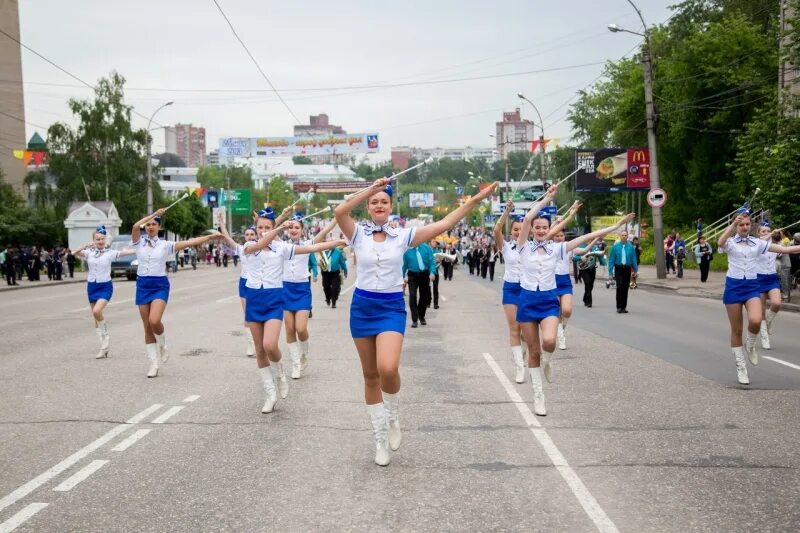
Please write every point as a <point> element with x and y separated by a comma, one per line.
<point>70,263</point>
<point>419,269</point>
<point>484,262</point>
<point>621,264</point>
<point>9,268</point>
<point>492,260</point>
<point>586,258</point>
<point>470,262</point>
<point>703,254</point>
<point>58,263</point>
<point>49,263</point>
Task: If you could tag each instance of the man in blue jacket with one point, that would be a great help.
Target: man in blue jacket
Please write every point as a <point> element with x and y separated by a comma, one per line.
<point>419,269</point>
<point>332,278</point>
<point>621,263</point>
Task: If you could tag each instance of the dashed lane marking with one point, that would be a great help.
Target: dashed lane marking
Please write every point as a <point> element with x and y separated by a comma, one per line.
<point>81,475</point>
<point>228,299</point>
<point>585,498</point>
<point>169,413</point>
<point>18,519</point>
<point>191,398</point>
<point>131,440</point>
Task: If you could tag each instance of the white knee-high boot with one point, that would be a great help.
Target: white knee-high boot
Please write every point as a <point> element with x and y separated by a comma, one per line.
<point>380,432</point>
<point>538,391</point>
<point>770,318</point>
<point>750,347</point>
<point>547,366</point>
<point>105,340</point>
<point>741,366</point>
<point>161,340</point>
<point>294,355</point>
<point>280,378</point>
<point>765,335</point>
<point>392,405</point>
<point>251,345</point>
<point>152,355</point>
<point>269,389</point>
<point>519,364</point>
<point>303,354</point>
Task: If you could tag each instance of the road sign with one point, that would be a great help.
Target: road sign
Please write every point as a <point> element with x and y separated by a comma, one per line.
<point>657,197</point>
<point>549,211</point>
<point>240,201</point>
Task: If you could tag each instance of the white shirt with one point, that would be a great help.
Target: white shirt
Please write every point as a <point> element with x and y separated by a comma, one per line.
<point>152,255</point>
<point>765,264</point>
<point>266,270</point>
<point>99,262</point>
<point>295,269</point>
<point>511,257</point>
<point>246,260</point>
<point>743,256</point>
<point>538,268</point>
<point>380,264</point>
<point>564,264</point>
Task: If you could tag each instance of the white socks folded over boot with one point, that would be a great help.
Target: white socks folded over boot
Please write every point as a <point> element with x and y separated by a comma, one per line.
<point>152,355</point>
<point>519,364</point>
<point>269,388</point>
<point>380,432</point>
<point>392,405</point>
<point>741,366</point>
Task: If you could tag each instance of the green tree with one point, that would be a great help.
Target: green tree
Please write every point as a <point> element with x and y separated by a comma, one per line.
<point>103,157</point>
<point>188,218</point>
<point>302,160</point>
<point>215,177</point>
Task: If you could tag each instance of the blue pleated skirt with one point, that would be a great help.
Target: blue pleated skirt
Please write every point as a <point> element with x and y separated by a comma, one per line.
<point>563,284</point>
<point>767,282</point>
<point>262,305</point>
<point>149,288</point>
<point>511,293</point>
<point>99,291</point>
<point>738,291</point>
<point>297,296</point>
<point>372,313</point>
<point>242,288</point>
<point>535,306</point>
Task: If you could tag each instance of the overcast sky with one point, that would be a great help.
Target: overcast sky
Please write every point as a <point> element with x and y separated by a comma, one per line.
<point>312,50</point>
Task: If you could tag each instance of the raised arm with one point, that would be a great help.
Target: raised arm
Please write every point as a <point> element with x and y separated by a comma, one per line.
<point>264,241</point>
<point>283,216</point>
<point>584,250</point>
<point>197,241</point>
<point>82,248</point>
<point>723,239</point>
<point>499,235</point>
<point>324,232</point>
<point>227,238</point>
<point>781,249</point>
<point>571,245</point>
<point>318,247</point>
<point>136,229</point>
<point>564,221</point>
<point>343,210</point>
<point>428,232</point>
<point>532,212</point>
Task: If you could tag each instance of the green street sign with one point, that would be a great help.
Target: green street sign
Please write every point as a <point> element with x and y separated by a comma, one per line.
<point>240,201</point>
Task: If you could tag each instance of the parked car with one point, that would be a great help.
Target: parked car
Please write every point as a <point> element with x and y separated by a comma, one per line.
<point>127,264</point>
<point>532,195</point>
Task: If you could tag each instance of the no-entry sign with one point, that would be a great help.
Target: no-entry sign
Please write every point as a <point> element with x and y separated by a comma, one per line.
<point>657,197</point>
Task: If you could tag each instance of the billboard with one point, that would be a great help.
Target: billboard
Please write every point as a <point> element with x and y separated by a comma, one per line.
<point>344,143</point>
<point>240,201</point>
<point>421,199</point>
<point>612,169</point>
<point>329,186</point>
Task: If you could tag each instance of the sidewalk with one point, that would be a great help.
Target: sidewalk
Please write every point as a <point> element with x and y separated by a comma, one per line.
<point>80,277</point>
<point>690,285</point>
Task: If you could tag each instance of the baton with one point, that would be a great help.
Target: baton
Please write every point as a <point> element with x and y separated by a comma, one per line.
<point>317,213</point>
<point>789,226</point>
<point>390,178</point>
<point>185,196</point>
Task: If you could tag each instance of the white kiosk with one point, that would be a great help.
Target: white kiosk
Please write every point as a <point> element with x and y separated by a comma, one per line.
<point>84,217</point>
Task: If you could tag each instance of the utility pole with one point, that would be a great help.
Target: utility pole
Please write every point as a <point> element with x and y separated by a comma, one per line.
<point>149,159</point>
<point>228,200</point>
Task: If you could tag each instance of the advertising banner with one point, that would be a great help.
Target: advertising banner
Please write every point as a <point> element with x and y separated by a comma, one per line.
<point>421,199</point>
<point>345,143</point>
<point>638,168</point>
<point>240,201</point>
<point>329,186</point>
<point>612,169</point>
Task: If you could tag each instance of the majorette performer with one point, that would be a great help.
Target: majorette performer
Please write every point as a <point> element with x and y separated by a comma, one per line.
<point>769,281</point>
<point>563,279</point>
<point>246,262</point>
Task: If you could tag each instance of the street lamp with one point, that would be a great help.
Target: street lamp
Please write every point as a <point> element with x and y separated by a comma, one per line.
<point>149,156</point>
<point>541,136</point>
<point>655,181</point>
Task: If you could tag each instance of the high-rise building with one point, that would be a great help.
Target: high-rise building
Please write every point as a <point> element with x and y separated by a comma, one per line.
<point>513,133</point>
<point>12,104</point>
<point>213,157</point>
<point>188,142</point>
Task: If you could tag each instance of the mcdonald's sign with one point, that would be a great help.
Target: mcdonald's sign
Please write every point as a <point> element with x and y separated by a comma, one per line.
<point>638,168</point>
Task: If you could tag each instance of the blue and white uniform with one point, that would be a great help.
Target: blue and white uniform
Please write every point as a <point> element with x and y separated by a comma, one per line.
<point>378,305</point>
<point>538,299</point>
<point>563,279</point>
<point>151,274</point>
<point>741,280</point>
<point>265,281</point>
<point>511,286</point>
<point>296,282</point>
<point>246,261</point>
<point>766,270</point>
<point>99,286</point>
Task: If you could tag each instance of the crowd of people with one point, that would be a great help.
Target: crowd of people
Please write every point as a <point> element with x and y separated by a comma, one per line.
<point>34,262</point>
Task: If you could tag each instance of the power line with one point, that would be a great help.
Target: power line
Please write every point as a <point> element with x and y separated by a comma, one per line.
<point>22,120</point>
<point>253,59</point>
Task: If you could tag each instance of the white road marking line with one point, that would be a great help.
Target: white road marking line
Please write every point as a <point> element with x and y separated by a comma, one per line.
<point>54,471</point>
<point>131,440</point>
<point>135,419</point>
<point>781,361</point>
<point>81,475</point>
<point>191,398</point>
<point>585,498</point>
<point>43,478</point>
<point>348,289</point>
<point>128,300</point>
<point>18,519</point>
<point>443,297</point>
<point>168,414</point>
<point>228,299</point>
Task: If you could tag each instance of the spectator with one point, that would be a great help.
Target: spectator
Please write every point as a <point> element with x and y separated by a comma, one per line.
<point>492,260</point>
<point>794,259</point>
<point>699,227</point>
<point>621,264</point>
<point>680,253</point>
<point>419,269</point>
<point>669,252</point>
<point>638,247</point>
<point>70,263</point>
<point>703,254</point>
<point>586,257</point>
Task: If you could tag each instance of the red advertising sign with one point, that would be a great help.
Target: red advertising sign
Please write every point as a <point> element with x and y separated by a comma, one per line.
<point>638,168</point>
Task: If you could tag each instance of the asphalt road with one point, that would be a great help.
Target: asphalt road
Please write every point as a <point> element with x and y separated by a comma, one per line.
<point>635,439</point>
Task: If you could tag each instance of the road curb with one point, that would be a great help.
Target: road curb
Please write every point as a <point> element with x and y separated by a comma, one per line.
<point>694,293</point>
